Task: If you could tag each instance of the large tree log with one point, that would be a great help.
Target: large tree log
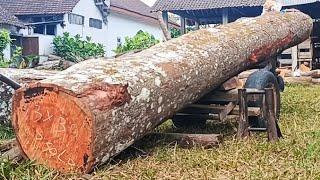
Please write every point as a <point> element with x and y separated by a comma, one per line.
<point>22,76</point>
<point>92,111</point>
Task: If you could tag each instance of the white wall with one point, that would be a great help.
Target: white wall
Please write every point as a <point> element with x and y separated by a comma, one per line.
<point>7,52</point>
<point>45,44</point>
<point>88,9</point>
<point>122,26</point>
<point>149,2</point>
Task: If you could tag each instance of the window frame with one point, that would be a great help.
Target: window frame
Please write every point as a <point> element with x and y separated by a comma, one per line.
<point>93,21</point>
<point>72,21</point>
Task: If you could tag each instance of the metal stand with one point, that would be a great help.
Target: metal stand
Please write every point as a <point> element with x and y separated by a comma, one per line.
<point>273,130</point>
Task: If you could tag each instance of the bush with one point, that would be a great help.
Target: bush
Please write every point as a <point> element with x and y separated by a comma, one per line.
<point>142,40</point>
<point>175,32</point>
<point>76,49</point>
<point>5,40</point>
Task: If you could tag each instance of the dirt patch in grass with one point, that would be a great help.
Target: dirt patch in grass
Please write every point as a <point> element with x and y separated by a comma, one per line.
<point>297,156</point>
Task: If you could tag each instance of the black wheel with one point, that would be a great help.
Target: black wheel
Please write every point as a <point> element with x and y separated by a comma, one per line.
<point>260,80</point>
<point>188,121</point>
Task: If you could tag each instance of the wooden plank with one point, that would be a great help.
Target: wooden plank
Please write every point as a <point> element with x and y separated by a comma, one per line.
<point>221,96</point>
<point>303,80</point>
<point>305,45</point>
<point>243,129</point>
<point>215,109</point>
<point>315,74</point>
<point>232,83</point>
<point>228,109</point>
<point>182,25</point>
<point>304,55</point>
<point>287,51</point>
<point>294,58</point>
<point>271,116</point>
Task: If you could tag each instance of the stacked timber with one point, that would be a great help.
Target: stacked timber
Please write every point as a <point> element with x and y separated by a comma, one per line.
<point>22,76</point>
<point>85,115</point>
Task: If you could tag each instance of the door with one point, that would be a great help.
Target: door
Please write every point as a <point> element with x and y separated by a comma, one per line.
<point>30,46</point>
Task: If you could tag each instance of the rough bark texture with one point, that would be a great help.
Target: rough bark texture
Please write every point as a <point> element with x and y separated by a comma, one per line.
<point>22,76</point>
<point>92,111</point>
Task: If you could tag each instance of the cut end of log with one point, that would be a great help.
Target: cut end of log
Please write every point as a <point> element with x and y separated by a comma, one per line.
<point>53,128</point>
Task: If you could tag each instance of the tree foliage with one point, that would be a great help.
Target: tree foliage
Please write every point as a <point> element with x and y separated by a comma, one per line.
<point>76,49</point>
<point>142,40</point>
<point>175,32</point>
<point>5,40</point>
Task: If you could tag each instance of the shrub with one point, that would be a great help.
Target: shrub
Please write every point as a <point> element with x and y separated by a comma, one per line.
<point>142,40</point>
<point>76,49</point>
<point>175,32</point>
<point>5,40</point>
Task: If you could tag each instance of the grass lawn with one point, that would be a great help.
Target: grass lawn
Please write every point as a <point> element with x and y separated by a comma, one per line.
<point>297,156</point>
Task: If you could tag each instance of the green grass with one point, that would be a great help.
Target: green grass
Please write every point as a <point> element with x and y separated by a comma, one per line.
<point>297,156</point>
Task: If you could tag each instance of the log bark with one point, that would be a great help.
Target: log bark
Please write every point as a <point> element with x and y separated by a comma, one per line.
<point>22,76</point>
<point>94,110</point>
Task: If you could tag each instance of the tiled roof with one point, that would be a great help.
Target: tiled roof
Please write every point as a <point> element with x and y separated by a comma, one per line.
<point>170,5</point>
<point>138,9</point>
<point>7,18</point>
<point>40,7</point>
<point>203,4</point>
<point>136,6</point>
<point>27,7</point>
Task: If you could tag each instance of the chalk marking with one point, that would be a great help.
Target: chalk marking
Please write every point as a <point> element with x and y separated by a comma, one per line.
<point>49,117</point>
<point>61,155</point>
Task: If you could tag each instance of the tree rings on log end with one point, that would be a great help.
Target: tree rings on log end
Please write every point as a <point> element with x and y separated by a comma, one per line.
<point>53,128</point>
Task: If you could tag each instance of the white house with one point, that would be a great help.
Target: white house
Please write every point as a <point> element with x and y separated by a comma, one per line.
<point>105,22</point>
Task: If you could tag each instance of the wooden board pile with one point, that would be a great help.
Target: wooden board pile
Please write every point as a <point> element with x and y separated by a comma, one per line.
<point>303,75</point>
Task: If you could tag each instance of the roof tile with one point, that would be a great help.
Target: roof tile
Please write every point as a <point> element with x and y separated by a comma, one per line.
<point>8,18</point>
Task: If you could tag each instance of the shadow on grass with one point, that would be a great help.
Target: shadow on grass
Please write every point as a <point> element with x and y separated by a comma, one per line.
<point>151,142</point>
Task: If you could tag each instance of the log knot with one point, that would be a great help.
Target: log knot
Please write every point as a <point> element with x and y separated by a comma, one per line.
<point>107,95</point>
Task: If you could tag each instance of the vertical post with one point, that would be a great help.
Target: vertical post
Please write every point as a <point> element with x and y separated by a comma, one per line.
<point>294,55</point>
<point>225,18</point>
<point>243,129</point>
<point>197,25</point>
<point>271,115</point>
<point>165,18</point>
<point>182,25</point>
<point>163,21</point>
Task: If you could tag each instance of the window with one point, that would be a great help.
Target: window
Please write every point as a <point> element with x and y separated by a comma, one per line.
<point>39,29</point>
<point>51,29</point>
<point>95,23</point>
<point>119,42</point>
<point>46,29</point>
<point>76,19</point>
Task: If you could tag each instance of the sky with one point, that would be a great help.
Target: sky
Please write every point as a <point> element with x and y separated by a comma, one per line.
<point>149,2</point>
